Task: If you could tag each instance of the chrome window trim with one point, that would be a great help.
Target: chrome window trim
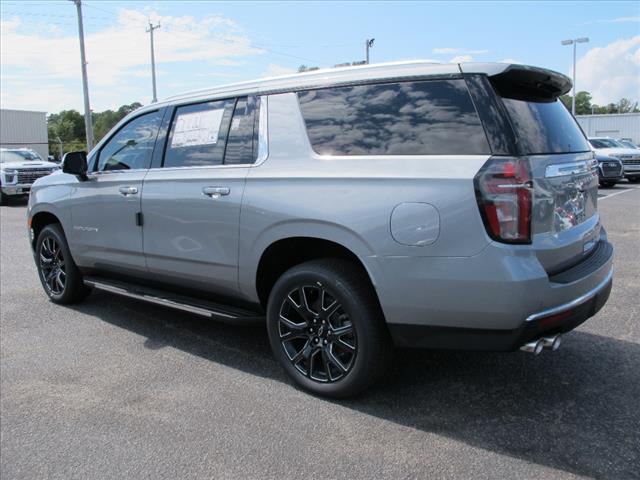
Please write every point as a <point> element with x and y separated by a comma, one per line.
<point>263,147</point>
<point>109,172</point>
<point>263,132</point>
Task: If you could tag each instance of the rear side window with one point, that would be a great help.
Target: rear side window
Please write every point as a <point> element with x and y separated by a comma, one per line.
<point>131,147</point>
<point>545,127</point>
<point>243,130</point>
<point>406,118</point>
<point>198,134</point>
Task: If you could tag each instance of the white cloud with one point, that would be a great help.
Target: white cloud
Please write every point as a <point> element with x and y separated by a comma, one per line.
<point>114,54</point>
<point>461,59</point>
<point>611,72</point>
<point>449,51</point>
<point>510,60</point>
<point>274,70</point>
<point>616,20</point>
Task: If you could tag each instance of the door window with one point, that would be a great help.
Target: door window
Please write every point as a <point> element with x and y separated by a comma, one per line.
<point>131,147</point>
<point>243,131</point>
<point>198,134</point>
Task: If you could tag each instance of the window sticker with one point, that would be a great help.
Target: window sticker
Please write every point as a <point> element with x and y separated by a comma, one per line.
<point>197,128</point>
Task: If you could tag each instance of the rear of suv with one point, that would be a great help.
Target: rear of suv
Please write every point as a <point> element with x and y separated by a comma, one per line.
<point>356,209</point>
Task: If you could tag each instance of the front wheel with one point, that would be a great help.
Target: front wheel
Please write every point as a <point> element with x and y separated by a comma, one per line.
<point>59,275</point>
<point>326,328</point>
<point>633,179</point>
<point>608,184</point>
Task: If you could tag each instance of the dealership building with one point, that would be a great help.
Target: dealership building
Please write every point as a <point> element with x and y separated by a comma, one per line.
<point>615,125</point>
<point>24,129</point>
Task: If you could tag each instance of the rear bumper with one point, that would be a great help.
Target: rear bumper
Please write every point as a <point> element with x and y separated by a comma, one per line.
<point>561,319</point>
<point>496,300</point>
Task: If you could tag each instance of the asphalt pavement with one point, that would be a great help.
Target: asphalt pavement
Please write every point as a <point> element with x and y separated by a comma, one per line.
<point>115,388</point>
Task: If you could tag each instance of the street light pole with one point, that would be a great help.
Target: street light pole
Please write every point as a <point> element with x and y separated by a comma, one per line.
<point>574,42</point>
<point>153,61</point>
<point>85,83</point>
<point>367,45</point>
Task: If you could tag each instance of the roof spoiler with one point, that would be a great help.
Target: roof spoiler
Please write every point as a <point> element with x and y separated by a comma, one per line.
<point>522,82</point>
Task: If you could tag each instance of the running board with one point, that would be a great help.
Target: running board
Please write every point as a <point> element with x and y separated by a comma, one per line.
<point>204,308</point>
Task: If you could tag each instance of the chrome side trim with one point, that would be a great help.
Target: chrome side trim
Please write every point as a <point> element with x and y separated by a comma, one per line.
<point>157,300</point>
<point>573,303</point>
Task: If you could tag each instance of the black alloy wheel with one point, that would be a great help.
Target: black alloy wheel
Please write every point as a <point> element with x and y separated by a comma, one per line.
<point>326,327</point>
<point>52,266</point>
<point>317,334</point>
<point>59,275</point>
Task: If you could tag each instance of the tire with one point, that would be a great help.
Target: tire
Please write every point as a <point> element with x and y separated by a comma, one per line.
<point>633,179</point>
<point>58,273</point>
<point>608,184</point>
<point>4,199</point>
<point>326,328</point>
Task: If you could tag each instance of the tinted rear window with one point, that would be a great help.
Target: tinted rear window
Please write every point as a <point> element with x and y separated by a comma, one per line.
<point>545,127</point>
<point>407,118</point>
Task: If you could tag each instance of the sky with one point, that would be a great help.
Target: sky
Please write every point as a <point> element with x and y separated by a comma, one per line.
<point>202,44</point>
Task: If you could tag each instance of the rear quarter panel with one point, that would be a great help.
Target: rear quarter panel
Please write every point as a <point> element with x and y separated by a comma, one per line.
<point>349,200</point>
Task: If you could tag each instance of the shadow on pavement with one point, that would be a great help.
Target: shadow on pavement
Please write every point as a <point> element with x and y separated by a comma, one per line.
<point>576,409</point>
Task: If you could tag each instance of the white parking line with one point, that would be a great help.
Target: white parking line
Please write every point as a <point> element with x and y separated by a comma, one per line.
<point>617,193</point>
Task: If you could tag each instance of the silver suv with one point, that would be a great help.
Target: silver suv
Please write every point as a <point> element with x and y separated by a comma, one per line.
<point>407,204</point>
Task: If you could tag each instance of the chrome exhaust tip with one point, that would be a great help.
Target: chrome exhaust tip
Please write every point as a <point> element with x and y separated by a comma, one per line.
<point>552,343</point>
<point>534,347</point>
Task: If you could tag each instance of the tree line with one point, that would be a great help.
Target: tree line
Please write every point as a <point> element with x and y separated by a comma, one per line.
<point>67,132</point>
<point>585,107</point>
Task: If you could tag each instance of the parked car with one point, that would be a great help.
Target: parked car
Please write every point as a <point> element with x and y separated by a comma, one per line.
<point>629,157</point>
<point>19,168</point>
<point>354,209</point>
<point>610,171</point>
<point>628,143</point>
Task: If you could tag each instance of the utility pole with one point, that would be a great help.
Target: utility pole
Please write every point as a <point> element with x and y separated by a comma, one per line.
<point>85,84</point>
<point>367,45</point>
<point>153,60</point>
<point>574,42</point>
<point>61,150</point>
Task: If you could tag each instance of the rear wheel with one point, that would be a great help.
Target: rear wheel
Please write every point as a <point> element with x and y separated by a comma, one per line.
<point>326,328</point>
<point>59,275</point>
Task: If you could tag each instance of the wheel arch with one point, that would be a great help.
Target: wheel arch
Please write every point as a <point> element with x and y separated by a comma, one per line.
<point>284,253</point>
<point>40,220</point>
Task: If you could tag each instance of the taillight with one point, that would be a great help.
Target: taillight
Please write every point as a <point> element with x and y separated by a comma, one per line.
<point>504,193</point>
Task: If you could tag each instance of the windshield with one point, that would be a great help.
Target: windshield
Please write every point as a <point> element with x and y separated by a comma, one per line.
<point>605,143</point>
<point>18,156</point>
<point>7,156</point>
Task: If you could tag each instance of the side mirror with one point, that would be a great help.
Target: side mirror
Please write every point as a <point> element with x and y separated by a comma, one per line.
<point>75,163</point>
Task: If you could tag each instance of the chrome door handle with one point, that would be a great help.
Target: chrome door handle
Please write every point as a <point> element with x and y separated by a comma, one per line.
<point>215,192</point>
<point>126,191</point>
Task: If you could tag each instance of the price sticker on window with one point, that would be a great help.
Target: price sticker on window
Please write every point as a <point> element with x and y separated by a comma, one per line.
<point>197,128</point>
